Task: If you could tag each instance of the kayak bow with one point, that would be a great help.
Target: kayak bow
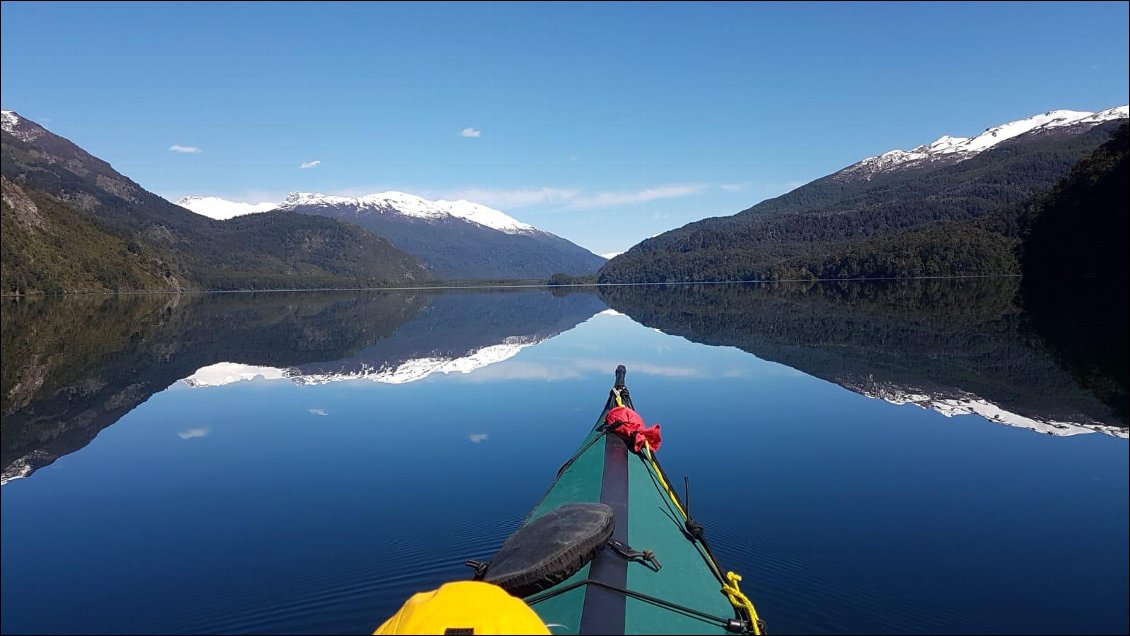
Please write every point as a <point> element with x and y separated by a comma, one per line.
<point>609,549</point>
<point>679,589</point>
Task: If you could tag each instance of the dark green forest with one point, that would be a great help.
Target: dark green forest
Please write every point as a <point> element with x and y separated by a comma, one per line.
<point>1074,259</point>
<point>72,223</point>
<point>74,365</point>
<point>956,220</point>
<point>960,339</point>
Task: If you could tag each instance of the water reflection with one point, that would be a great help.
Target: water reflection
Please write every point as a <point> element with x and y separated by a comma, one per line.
<point>955,346</point>
<point>73,366</point>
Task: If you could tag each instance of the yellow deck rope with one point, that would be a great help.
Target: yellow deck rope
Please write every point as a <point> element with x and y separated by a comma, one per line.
<point>659,474</point>
<point>738,599</point>
<point>731,588</point>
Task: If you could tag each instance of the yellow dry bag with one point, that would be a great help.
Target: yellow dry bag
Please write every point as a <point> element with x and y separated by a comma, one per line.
<point>464,607</point>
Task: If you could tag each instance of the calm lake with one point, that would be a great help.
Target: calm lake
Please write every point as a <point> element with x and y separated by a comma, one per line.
<point>919,457</point>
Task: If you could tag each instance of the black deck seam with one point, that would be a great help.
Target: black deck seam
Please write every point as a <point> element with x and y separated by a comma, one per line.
<point>603,610</point>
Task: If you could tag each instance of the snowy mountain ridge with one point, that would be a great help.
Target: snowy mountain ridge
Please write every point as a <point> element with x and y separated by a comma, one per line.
<point>970,404</point>
<point>415,206</point>
<point>391,202</point>
<point>393,372</point>
<point>950,149</point>
<point>10,123</point>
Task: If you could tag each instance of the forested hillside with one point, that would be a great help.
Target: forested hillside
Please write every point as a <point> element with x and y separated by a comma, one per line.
<point>73,223</point>
<point>957,219</point>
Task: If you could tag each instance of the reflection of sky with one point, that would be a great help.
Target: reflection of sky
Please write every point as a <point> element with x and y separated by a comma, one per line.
<point>287,521</point>
<point>585,353</point>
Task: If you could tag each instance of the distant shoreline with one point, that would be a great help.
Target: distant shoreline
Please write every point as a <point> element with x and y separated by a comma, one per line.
<point>527,284</point>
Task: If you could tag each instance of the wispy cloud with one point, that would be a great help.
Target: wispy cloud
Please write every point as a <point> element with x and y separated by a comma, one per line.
<point>471,132</point>
<point>607,199</point>
<point>194,432</point>
<point>310,164</point>
<point>478,438</point>
<point>319,412</point>
<point>514,198</point>
<point>185,149</point>
<point>733,187</point>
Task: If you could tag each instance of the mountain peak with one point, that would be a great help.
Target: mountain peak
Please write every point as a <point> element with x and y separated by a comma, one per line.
<point>19,127</point>
<point>416,206</point>
<point>950,149</point>
<point>8,120</point>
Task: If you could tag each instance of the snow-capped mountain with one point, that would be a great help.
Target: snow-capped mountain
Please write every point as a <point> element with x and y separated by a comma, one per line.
<point>14,125</point>
<point>417,207</point>
<point>217,208</point>
<point>947,150</point>
<point>391,372</point>
<point>382,202</point>
<point>970,404</point>
<point>456,240</point>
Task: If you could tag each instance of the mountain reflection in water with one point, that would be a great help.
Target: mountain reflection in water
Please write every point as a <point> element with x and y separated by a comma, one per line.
<point>73,366</point>
<point>958,346</point>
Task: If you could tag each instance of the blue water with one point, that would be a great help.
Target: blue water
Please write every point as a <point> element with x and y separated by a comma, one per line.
<point>272,506</point>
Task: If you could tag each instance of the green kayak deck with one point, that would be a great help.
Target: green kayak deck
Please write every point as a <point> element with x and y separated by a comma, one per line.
<point>670,600</point>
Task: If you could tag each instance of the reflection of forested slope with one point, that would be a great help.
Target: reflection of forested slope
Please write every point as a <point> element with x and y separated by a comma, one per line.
<point>943,339</point>
<point>1076,272</point>
<point>74,366</point>
<point>457,323</point>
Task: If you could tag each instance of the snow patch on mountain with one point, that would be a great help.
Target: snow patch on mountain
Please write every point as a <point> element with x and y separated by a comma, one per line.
<point>483,215</point>
<point>230,372</point>
<point>222,209</point>
<point>974,405</point>
<point>414,206</point>
<point>957,149</point>
<point>10,123</point>
<point>416,369</point>
<point>23,466</point>
<point>409,370</point>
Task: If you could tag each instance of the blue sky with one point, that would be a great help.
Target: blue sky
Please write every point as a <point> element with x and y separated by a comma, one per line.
<point>603,123</point>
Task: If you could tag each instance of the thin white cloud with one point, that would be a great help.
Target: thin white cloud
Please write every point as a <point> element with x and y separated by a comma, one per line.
<point>185,149</point>
<point>320,412</point>
<point>507,199</point>
<point>478,438</point>
<point>607,199</point>
<point>733,187</point>
<point>611,255</point>
<point>513,198</point>
<point>310,164</point>
<point>193,432</point>
<point>471,132</point>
